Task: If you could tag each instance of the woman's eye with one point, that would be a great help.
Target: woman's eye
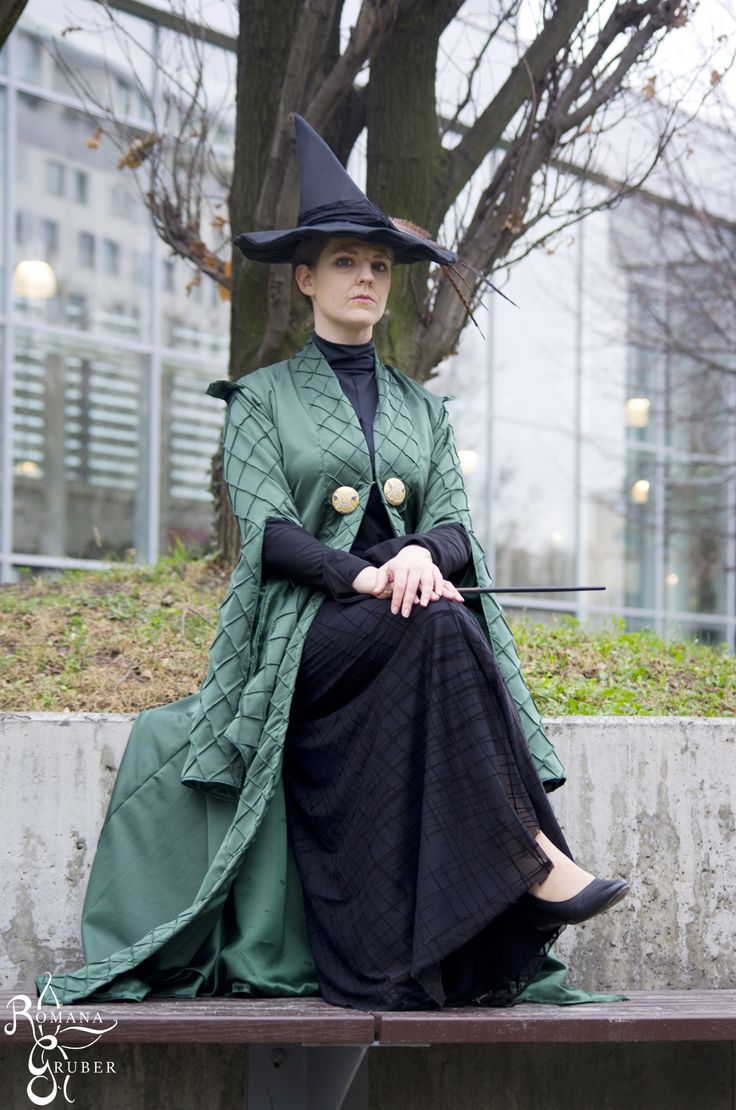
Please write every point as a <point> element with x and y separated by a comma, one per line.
<point>345,258</point>
<point>380,266</point>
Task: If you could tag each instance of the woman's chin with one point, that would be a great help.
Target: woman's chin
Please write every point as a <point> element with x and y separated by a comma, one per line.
<point>360,317</point>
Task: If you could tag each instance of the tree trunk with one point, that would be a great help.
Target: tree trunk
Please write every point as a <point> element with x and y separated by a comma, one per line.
<point>265,39</point>
<point>264,42</point>
<point>10,13</point>
<point>404,153</point>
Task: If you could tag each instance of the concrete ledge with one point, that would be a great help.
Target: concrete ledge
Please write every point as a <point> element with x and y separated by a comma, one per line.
<point>649,798</point>
<point>653,799</point>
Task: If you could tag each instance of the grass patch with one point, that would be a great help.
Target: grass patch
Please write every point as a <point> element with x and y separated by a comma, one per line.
<point>130,637</point>
<point>573,669</point>
<point>113,641</point>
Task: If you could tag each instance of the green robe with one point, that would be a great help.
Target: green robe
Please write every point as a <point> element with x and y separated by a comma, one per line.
<point>193,888</point>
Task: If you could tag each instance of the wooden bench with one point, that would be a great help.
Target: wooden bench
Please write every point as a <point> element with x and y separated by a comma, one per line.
<point>305,1054</point>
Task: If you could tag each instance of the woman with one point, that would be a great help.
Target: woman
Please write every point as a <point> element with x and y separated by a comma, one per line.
<point>367,816</point>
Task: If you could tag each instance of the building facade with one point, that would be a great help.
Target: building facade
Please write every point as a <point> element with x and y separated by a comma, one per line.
<point>592,456</point>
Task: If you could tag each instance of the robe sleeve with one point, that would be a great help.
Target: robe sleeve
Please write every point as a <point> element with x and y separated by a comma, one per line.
<point>258,490</point>
<point>251,464</point>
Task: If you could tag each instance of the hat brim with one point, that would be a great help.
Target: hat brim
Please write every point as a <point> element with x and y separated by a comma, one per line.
<point>279,246</point>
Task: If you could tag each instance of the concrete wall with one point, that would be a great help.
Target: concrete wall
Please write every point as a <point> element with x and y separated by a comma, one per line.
<point>653,799</point>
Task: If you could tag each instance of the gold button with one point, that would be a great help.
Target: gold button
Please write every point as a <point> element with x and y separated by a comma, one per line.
<point>345,499</point>
<point>395,491</point>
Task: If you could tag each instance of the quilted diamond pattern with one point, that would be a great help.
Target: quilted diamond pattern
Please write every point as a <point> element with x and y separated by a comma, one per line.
<point>249,682</point>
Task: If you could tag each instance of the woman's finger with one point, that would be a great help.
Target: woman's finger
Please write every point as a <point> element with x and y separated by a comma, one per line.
<point>449,591</point>
<point>427,585</point>
<point>382,586</point>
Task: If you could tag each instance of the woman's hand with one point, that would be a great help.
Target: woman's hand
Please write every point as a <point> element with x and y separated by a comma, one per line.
<point>410,578</point>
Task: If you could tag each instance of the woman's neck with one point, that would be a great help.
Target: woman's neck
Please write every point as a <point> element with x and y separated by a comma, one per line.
<point>334,332</point>
<point>326,339</point>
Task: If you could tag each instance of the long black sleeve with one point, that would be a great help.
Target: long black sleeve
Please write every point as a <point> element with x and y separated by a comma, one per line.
<point>291,552</point>
<point>449,545</point>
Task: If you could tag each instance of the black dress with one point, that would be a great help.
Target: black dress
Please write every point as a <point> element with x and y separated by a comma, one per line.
<point>412,800</point>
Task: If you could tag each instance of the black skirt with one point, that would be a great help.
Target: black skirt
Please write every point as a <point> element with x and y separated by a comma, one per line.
<point>412,805</point>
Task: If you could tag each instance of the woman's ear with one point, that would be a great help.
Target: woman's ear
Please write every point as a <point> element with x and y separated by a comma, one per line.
<point>303,278</point>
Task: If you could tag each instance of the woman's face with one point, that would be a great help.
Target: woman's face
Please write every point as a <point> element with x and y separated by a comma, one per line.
<point>348,287</point>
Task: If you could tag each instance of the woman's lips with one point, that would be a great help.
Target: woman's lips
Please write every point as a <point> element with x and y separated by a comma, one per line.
<point>364,298</point>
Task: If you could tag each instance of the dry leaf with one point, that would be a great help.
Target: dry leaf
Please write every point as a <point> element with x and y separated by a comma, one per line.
<point>95,138</point>
<point>648,89</point>
<point>196,280</point>
<point>138,152</point>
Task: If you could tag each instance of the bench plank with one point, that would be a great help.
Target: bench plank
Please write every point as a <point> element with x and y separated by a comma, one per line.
<point>670,1015</point>
<point>202,1020</point>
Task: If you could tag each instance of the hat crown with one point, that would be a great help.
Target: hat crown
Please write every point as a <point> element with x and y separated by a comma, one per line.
<point>330,203</point>
<point>322,177</point>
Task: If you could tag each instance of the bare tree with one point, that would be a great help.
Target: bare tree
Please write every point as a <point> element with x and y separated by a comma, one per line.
<point>584,61</point>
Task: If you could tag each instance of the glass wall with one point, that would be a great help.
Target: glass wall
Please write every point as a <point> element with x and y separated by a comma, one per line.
<point>112,342</point>
<point>612,449</point>
<point>80,418</point>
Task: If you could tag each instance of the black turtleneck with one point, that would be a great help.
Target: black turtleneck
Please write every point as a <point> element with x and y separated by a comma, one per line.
<point>289,551</point>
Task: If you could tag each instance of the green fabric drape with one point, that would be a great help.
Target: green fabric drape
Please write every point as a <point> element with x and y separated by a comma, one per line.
<point>193,888</point>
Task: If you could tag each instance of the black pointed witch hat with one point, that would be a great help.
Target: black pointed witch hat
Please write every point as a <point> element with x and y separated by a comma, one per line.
<point>331,203</point>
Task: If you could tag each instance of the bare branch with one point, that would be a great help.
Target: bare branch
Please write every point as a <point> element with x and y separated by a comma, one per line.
<point>463,160</point>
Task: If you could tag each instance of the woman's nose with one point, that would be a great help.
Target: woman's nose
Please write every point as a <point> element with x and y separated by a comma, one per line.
<point>365,272</point>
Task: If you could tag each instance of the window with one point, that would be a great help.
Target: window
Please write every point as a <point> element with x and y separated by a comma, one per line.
<point>49,237</point>
<point>23,227</point>
<point>110,256</point>
<point>76,310</point>
<point>168,275</point>
<point>79,186</point>
<point>28,58</point>
<point>120,201</point>
<point>141,267</point>
<point>86,243</point>
<point>55,179</point>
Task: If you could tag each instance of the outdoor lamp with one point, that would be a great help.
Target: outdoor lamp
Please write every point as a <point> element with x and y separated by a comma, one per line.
<point>34,279</point>
<point>468,461</point>
<point>637,412</point>
<point>640,491</point>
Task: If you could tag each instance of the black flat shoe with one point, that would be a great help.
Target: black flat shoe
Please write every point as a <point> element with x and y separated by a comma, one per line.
<point>597,896</point>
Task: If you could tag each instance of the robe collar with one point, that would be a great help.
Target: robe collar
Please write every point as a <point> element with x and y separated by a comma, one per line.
<point>341,436</point>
